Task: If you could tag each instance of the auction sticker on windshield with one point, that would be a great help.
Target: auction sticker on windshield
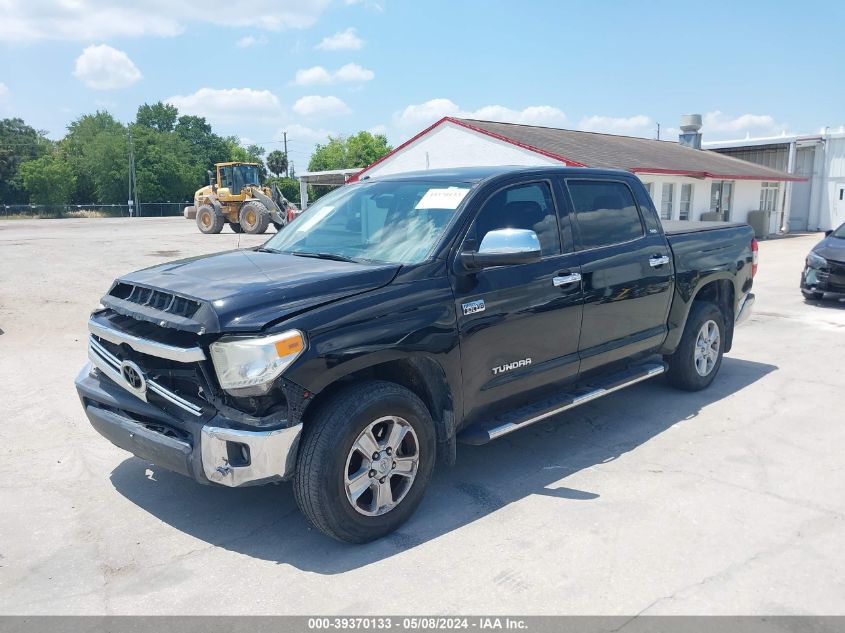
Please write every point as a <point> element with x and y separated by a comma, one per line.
<point>442,198</point>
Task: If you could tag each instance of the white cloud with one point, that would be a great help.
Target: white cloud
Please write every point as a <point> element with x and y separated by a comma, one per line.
<point>105,68</point>
<point>637,125</point>
<point>251,40</point>
<point>719,123</point>
<point>319,75</point>
<point>378,129</point>
<point>347,40</point>
<point>378,7</point>
<point>422,114</point>
<point>33,20</point>
<point>317,106</point>
<point>229,104</point>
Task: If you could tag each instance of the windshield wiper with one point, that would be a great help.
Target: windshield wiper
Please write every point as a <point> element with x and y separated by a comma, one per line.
<point>331,256</point>
<point>264,249</point>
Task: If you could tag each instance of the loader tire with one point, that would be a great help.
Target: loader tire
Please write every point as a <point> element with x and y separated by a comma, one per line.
<point>254,217</point>
<point>208,220</point>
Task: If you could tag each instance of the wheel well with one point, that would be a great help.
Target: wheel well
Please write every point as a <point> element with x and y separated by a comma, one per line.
<point>721,294</point>
<point>422,376</point>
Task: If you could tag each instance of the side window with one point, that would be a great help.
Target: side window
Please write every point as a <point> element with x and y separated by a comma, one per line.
<point>605,212</point>
<point>521,207</point>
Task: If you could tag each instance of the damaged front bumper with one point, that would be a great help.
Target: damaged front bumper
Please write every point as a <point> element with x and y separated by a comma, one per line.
<point>203,445</point>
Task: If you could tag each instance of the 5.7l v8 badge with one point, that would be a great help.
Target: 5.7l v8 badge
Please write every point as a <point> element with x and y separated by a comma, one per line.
<point>474,306</point>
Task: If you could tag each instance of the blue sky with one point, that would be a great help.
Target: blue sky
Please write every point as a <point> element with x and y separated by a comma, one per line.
<point>256,68</point>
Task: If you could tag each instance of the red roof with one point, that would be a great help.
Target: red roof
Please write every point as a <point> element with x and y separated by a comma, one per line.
<point>591,149</point>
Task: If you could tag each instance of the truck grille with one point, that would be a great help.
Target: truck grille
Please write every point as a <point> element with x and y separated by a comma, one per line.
<point>156,299</point>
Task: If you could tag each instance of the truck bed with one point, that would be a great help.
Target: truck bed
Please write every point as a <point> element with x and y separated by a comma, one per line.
<point>679,227</point>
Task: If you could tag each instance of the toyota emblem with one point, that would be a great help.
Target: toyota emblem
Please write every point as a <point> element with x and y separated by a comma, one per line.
<point>133,376</point>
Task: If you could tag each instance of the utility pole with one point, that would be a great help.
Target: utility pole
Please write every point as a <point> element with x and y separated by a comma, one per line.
<point>292,171</point>
<point>658,131</point>
<point>287,168</point>
<point>133,181</point>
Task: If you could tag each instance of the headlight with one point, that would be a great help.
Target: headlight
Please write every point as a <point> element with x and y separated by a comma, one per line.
<point>816,261</point>
<point>248,366</point>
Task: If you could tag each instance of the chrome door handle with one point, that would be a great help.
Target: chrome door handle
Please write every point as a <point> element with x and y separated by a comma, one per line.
<point>566,279</point>
<point>658,260</point>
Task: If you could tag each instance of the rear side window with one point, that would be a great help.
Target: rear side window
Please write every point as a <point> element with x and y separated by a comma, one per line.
<point>605,212</point>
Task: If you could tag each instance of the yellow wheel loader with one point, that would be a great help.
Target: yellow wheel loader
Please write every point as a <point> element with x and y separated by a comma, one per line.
<point>236,198</point>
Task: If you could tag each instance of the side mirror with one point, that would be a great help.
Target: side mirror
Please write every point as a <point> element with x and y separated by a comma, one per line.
<point>504,247</point>
<point>828,233</point>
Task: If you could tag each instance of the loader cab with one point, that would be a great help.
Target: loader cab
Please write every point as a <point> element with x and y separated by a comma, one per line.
<point>235,176</point>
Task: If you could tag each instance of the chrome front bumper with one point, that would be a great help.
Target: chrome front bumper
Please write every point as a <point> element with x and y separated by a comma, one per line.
<point>208,451</point>
<point>271,455</point>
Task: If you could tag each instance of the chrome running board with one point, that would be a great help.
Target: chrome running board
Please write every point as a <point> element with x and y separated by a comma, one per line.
<point>481,433</point>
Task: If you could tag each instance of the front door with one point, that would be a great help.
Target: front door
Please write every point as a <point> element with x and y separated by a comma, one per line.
<point>627,273</point>
<point>518,325</point>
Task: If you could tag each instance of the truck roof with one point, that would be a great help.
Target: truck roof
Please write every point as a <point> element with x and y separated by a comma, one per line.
<point>477,174</point>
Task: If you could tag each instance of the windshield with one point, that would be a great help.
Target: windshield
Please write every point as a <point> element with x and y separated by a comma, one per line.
<point>840,232</point>
<point>393,222</point>
<point>245,175</point>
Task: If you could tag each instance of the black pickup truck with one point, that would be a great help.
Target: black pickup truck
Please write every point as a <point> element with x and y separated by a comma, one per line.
<point>401,315</point>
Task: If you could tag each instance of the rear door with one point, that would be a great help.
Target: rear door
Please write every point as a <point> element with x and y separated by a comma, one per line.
<point>627,272</point>
<point>518,325</point>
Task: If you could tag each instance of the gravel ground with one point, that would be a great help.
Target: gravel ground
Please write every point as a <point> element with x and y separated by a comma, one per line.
<point>728,501</point>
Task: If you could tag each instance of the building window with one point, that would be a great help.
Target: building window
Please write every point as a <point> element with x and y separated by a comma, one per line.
<point>769,196</point>
<point>686,201</point>
<point>721,197</point>
<point>667,200</point>
<point>649,186</point>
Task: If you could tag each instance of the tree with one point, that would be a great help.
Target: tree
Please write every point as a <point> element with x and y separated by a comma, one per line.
<point>97,149</point>
<point>289,188</point>
<point>49,179</point>
<point>207,147</point>
<point>18,143</point>
<point>341,152</point>
<point>277,162</point>
<point>158,116</point>
<point>164,165</point>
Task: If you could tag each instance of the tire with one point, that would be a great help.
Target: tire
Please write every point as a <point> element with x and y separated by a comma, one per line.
<point>279,226</point>
<point>685,367</point>
<point>254,217</point>
<point>328,458</point>
<point>236,228</point>
<point>208,220</point>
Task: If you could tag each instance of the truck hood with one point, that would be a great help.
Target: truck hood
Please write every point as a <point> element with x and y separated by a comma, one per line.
<point>831,248</point>
<point>247,290</point>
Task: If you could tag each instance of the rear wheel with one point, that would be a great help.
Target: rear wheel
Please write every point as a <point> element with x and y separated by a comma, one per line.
<point>698,357</point>
<point>254,217</point>
<point>208,220</point>
<point>364,461</point>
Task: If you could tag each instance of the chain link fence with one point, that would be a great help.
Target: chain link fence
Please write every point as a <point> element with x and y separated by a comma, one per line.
<point>147,209</point>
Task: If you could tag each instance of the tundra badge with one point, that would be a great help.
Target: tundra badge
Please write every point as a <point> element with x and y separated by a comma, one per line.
<point>474,306</point>
<point>501,369</point>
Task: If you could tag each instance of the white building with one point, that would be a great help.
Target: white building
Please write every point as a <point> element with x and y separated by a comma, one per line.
<point>685,183</point>
<point>816,203</point>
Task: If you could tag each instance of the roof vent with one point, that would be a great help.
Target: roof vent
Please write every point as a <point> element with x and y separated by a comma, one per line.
<point>690,135</point>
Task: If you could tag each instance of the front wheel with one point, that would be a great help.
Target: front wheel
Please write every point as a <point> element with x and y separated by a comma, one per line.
<point>364,461</point>
<point>254,217</point>
<point>698,357</point>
